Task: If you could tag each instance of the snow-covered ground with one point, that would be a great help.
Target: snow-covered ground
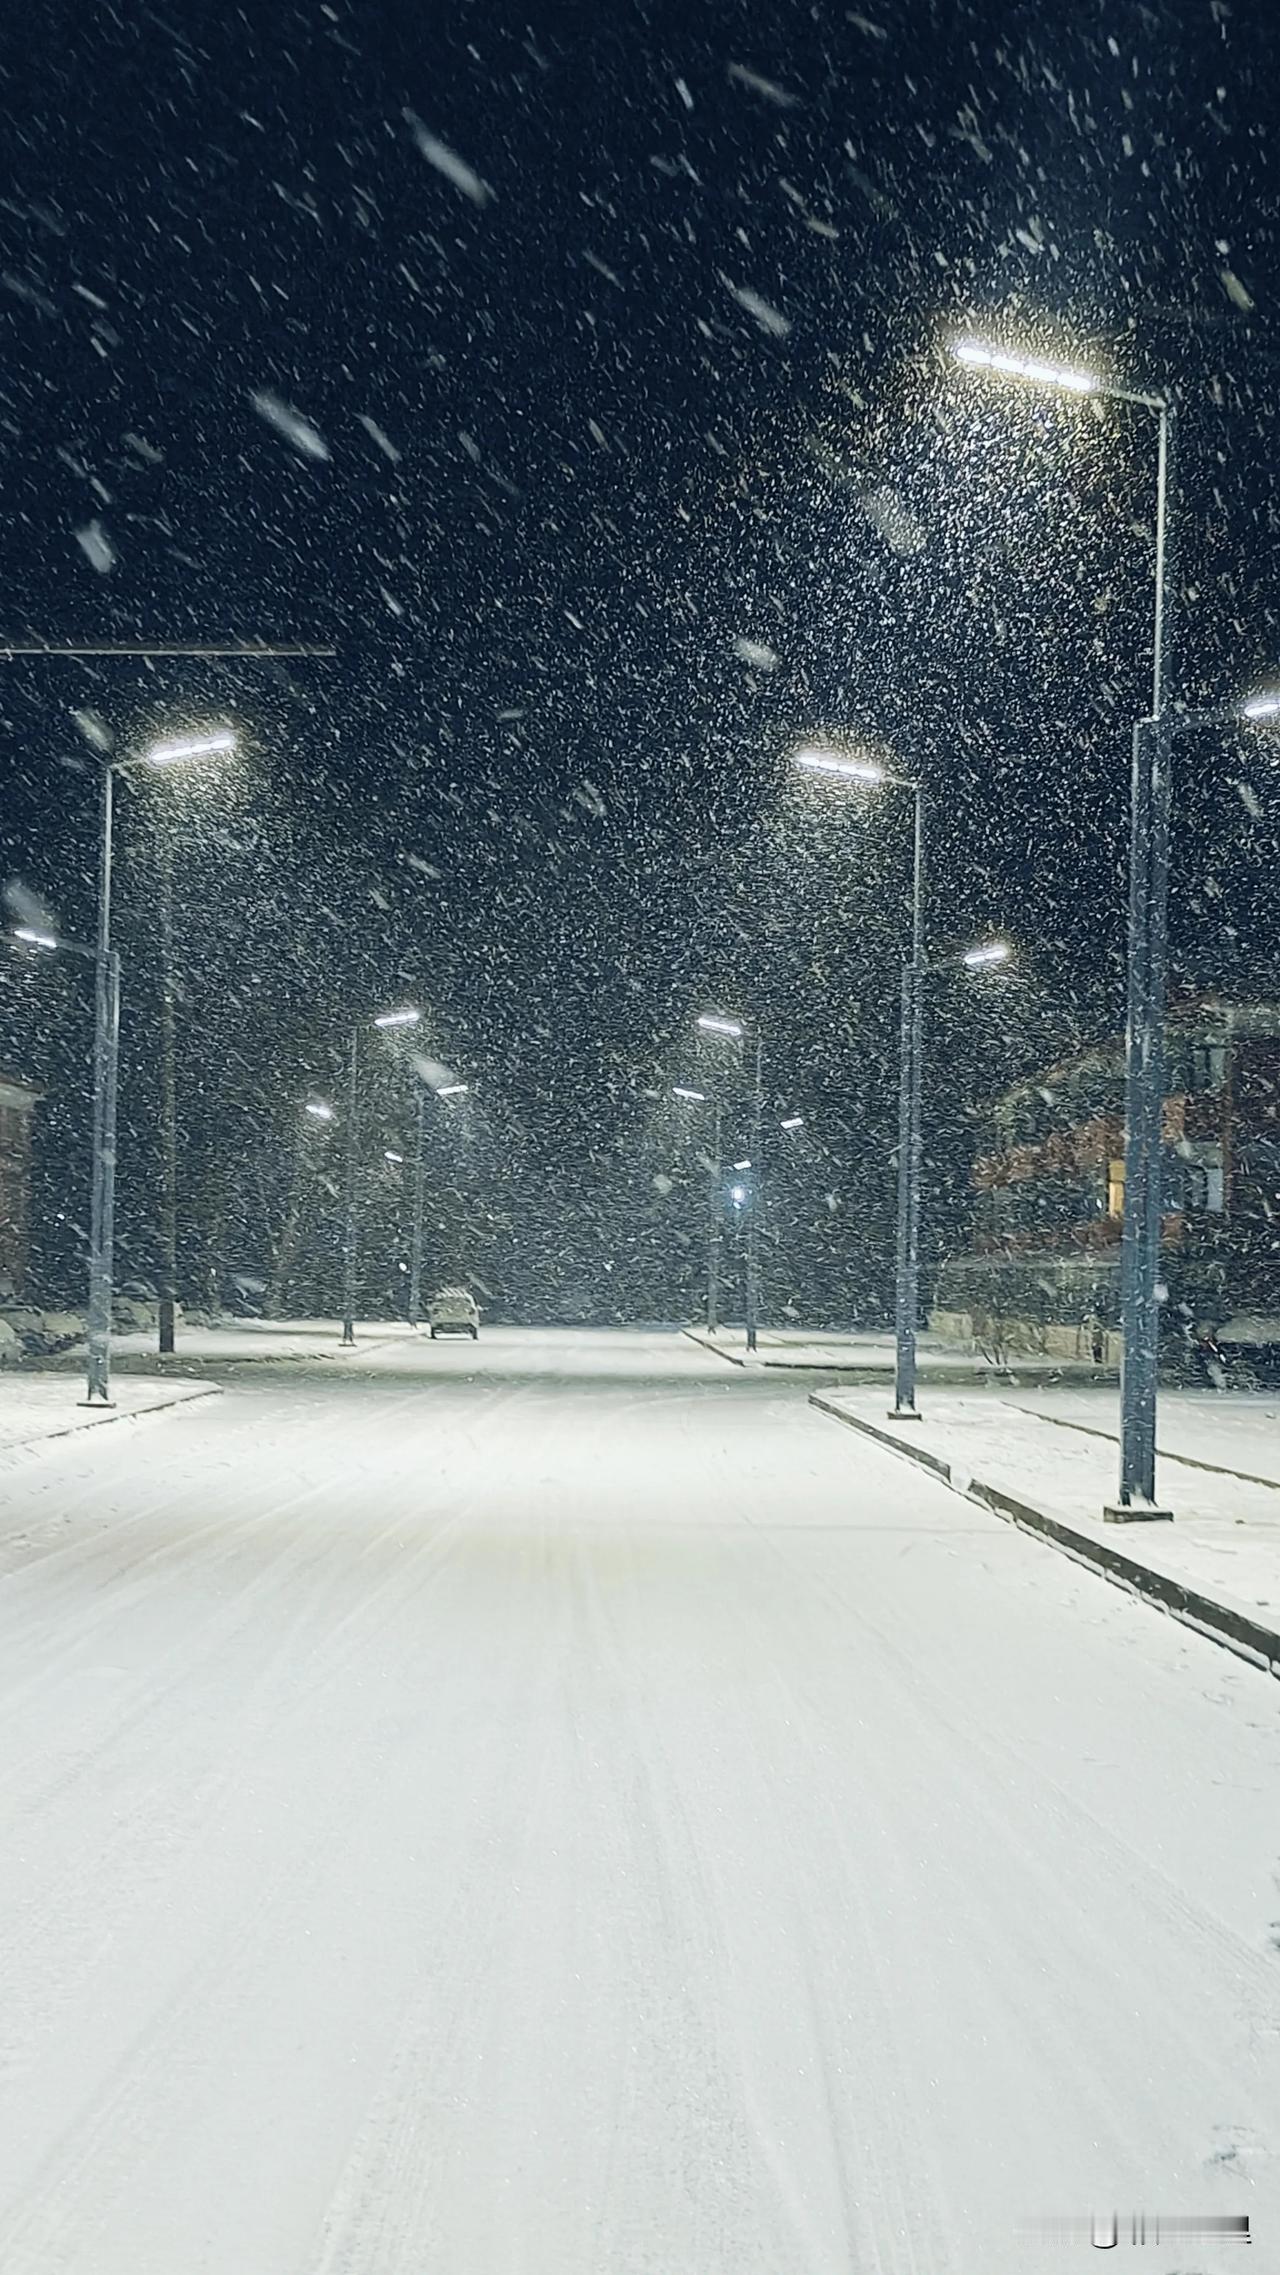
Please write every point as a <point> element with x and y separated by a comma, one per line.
<point>870,1353</point>
<point>237,1340</point>
<point>38,1406</point>
<point>558,1808</point>
<point>1225,1537</point>
<point>1231,1430</point>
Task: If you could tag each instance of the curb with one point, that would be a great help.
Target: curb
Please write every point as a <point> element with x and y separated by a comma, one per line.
<point>1234,1630</point>
<point>860,1374</point>
<point>1188,1460</point>
<point>109,1414</point>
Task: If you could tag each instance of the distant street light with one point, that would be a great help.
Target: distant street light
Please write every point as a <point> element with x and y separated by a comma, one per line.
<point>715,1194</point>
<point>318,1107</point>
<point>405,1016</point>
<point>738,1195</point>
<point>792,1122</point>
<point>1149,830</point>
<point>738,1030</point>
<point>388,1155</point>
<point>193,746</point>
<point>867,770</point>
<point>442,1090</point>
<point>105,1052</point>
<point>973,352</point>
<point>988,952</point>
<point>906,1297</point>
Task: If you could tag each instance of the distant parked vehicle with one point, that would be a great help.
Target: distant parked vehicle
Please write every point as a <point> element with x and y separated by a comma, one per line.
<point>453,1311</point>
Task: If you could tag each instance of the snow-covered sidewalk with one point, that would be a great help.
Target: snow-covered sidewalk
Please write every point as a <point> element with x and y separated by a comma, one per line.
<point>34,1407</point>
<point>1052,1470</point>
<point>245,1342</point>
<point>870,1355</point>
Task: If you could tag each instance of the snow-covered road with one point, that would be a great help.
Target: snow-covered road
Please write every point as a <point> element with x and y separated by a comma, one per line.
<point>568,1809</point>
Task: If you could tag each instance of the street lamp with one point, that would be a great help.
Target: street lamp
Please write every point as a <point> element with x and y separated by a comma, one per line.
<point>105,1059</point>
<point>103,1173</point>
<point>736,1030</point>
<point>715,1194</point>
<point>870,773</point>
<point>442,1090</point>
<point>405,1016</point>
<point>1148,955</point>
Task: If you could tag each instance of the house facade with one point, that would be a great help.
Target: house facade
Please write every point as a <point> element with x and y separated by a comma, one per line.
<point>1041,1271</point>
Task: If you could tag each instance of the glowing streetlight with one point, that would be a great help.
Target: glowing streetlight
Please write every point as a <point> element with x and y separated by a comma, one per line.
<point>1149,829</point>
<point>192,746</point>
<point>1262,707</point>
<point>403,1015</point>
<point>33,939</point>
<point>906,1272</point>
<point>453,1090</point>
<point>792,1122</point>
<point>816,761</point>
<point>317,1108</point>
<point>986,953</point>
<point>735,1031</point>
<point>979,356</point>
<point>695,1097</point>
<point>102,1201</point>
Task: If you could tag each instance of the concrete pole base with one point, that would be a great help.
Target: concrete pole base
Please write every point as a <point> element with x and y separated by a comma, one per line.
<point>1135,1513</point>
<point>904,1414</point>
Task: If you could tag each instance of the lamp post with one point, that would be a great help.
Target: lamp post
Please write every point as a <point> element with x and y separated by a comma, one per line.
<point>1149,824</point>
<point>442,1090</point>
<point>870,774</point>
<point>106,1036</point>
<point>406,1017</point>
<point>419,1182</point>
<point>1153,747</point>
<point>314,1110</point>
<point>715,1199</point>
<point>740,1031</point>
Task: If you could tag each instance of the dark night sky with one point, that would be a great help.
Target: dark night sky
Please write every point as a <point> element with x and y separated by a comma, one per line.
<point>659,374</point>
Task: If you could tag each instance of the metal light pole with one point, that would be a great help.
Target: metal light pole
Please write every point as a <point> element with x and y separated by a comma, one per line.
<point>871,774</point>
<point>106,1047</point>
<point>1149,823</point>
<point>910,1148</point>
<point>419,1166</point>
<point>736,1031</point>
<point>349,1233</point>
<point>755,1196</point>
<point>168,1292</point>
<point>408,1017</point>
<point>715,1212</point>
<point>1149,826</point>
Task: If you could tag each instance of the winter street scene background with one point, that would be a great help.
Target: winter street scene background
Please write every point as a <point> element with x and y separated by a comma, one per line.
<point>639,1139</point>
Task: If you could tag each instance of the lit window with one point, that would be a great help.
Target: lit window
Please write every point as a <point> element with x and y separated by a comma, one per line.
<point>1115,1187</point>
